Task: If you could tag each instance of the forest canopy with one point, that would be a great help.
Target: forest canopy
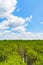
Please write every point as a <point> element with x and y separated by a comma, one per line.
<point>21,52</point>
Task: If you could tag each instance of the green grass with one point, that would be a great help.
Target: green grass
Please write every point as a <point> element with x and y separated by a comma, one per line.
<point>12,52</point>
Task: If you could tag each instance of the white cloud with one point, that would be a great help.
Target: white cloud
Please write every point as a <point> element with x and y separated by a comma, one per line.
<point>23,35</point>
<point>15,23</point>
<point>29,18</point>
<point>30,35</point>
<point>20,28</point>
<point>18,23</point>
<point>7,6</point>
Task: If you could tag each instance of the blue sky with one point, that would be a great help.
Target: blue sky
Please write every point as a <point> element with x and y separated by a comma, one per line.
<point>34,8</point>
<point>21,19</point>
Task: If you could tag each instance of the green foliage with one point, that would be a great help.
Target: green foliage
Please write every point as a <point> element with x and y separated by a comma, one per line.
<point>21,52</point>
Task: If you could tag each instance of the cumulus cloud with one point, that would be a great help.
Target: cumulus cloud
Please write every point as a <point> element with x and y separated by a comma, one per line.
<point>7,6</point>
<point>24,36</point>
<point>14,23</point>
<point>18,23</point>
<point>20,28</point>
